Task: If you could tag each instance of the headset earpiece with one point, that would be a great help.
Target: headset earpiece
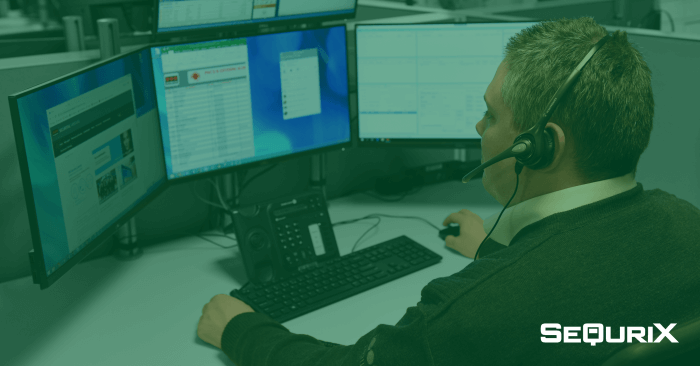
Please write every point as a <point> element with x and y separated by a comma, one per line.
<point>548,150</point>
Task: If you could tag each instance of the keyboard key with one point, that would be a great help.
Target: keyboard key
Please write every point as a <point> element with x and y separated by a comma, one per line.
<point>328,294</point>
<point>272,308</point>
<point>275,314</point>
<point>356,283</point>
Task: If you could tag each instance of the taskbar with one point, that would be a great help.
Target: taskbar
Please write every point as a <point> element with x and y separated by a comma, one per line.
<point>227,164</point>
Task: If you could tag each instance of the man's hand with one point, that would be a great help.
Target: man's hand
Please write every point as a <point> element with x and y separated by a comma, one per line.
<point>471,232</point>
<point>216,315</point>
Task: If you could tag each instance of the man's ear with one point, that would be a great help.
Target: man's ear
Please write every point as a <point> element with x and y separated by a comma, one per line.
<point>559,139</point>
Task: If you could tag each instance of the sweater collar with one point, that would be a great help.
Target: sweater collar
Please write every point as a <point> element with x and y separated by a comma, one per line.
<point>525,213</point>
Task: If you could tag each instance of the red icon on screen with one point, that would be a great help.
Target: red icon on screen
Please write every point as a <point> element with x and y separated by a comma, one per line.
<point>195,76</point>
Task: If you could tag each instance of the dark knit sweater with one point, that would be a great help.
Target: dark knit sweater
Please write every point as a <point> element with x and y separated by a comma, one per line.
<point>629,260</point>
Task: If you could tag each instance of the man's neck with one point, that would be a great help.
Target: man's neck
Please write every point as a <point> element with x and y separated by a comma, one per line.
<point>534,184</point>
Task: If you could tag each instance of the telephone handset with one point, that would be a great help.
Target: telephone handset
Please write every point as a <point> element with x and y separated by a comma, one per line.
<point>283,237</point>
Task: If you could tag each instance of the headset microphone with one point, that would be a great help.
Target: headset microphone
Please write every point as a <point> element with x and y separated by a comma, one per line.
<point>510,152</point>
<point>534,148</point>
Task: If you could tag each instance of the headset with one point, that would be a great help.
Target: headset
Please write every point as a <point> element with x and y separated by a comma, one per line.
<point>534,148</point>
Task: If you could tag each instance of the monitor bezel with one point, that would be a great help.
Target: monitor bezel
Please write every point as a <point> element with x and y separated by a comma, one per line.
<point>414,143</point>
<point>37,257</point>
<point>278,159</point>
<point>254,27</point>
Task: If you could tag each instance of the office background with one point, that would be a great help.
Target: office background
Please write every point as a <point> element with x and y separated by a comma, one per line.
<point>671,162</point>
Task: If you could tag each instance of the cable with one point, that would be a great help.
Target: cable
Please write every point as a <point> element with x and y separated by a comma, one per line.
<point>660,14</point>
<point>207,220</point>
<point>218,192</point>
<point>215,243</point>
<point>673,26</point>
<point>378,217</point>
<point>256,176</point>
<point>209,202</point>
<point>518,168</point>
<point>128,16</point>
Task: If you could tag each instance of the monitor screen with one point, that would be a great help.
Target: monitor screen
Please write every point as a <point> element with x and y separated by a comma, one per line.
<point>230,102</point>
<point>188,15</point>
<point>90,152</point>
<point>423,84</point>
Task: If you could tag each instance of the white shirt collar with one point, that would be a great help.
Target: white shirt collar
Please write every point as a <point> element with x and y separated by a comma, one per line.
<point>525,213</point>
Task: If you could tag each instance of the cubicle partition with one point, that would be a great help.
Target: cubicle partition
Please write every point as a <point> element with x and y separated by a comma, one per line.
<point>671,162</point>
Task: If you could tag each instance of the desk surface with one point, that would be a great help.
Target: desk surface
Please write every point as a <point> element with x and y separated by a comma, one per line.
<point>145,312</point>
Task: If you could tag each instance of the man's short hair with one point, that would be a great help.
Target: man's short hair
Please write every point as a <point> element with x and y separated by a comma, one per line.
<point>607,113</point>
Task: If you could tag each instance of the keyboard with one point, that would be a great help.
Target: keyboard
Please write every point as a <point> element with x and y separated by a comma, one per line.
<point>337,279</point>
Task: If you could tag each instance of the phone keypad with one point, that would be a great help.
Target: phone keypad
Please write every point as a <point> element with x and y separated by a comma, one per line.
<point>294,252</point>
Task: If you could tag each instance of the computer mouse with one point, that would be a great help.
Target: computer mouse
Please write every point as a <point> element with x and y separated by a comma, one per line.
<point>452,229</point>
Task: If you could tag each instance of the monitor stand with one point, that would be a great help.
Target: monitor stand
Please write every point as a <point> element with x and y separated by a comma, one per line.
<point>231,192</point>
<point>126,247</point>
<point>318,173</point>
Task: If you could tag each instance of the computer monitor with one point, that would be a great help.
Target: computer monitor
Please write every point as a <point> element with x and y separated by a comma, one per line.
<point>201,16</point>
<point>90,156</point>
<point>235,103</point>
<point>422,85</point>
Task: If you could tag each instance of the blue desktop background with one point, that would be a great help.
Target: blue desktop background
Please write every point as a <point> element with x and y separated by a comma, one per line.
<point>39,150</point>
<point>273,135</point>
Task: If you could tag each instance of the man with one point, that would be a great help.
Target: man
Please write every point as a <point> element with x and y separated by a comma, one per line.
<point>580,243</point>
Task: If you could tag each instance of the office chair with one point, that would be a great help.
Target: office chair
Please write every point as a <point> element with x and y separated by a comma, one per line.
<point>685,352</point>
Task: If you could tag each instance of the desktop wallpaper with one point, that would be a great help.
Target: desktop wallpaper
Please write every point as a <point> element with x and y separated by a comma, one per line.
<point>37,140</point>
<point>273,135</point>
